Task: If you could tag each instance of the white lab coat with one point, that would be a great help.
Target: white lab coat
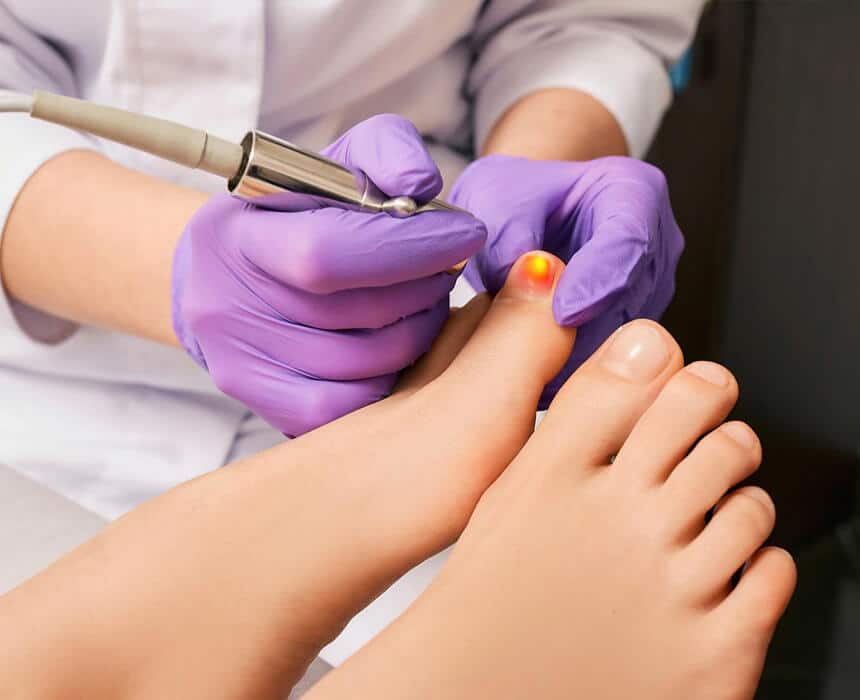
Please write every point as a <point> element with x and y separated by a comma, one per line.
<point>111,420</point>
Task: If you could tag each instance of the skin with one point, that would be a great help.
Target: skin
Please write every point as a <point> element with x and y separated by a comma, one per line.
<point>588,569</point>
<point>69,259</point>
<point>557,124</point>
<point>251,569</point>
<point>271,516</point>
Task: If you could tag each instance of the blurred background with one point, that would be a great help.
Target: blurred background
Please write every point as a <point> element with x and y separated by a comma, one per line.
<point>762,154</point>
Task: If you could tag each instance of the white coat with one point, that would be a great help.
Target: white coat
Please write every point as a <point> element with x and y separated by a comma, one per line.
<point>110,420</point>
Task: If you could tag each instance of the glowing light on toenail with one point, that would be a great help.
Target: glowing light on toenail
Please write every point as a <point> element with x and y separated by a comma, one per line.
<point>538,268</point>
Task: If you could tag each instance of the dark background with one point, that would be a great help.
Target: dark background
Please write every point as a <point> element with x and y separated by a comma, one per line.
<point>762,153</point>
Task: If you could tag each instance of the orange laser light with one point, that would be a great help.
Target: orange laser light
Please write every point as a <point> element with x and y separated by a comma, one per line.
<point>538,268</point>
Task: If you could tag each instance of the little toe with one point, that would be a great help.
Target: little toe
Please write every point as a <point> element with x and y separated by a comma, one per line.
<point>763,592</point>
<point>694,401</point>
<point>739,527</point>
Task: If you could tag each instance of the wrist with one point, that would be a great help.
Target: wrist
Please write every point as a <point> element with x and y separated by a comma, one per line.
<point>557,124</point>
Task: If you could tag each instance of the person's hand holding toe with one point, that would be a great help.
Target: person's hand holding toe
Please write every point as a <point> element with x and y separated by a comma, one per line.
<point>609,219</point>
<point>304,316</point>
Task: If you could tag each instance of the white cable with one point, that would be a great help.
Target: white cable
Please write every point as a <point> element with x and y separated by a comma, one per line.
<point>15,102</point>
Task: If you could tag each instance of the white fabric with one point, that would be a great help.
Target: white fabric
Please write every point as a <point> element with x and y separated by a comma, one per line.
<point>110,420</point>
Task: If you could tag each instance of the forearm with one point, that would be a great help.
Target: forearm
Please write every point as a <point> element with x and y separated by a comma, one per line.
<point>92,242</point>
<point>557,124</point>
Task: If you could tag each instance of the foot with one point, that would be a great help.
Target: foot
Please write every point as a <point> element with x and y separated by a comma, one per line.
<point>589,569</point>
<point>408,471</point>
<point>263,562</point>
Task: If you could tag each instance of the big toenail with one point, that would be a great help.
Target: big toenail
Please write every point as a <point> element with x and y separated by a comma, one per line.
<point>533,275</point>
<point>741,434</point>
<point>638,352</point>
<point>710,372</point>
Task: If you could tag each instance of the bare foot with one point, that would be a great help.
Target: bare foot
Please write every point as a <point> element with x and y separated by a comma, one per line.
<point>405,474</point>
<point>251,569</point>
<point>587,569</point>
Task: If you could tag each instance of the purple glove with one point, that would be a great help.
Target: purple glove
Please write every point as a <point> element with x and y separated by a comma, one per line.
<point>609,219</point>
<point>305,316</point>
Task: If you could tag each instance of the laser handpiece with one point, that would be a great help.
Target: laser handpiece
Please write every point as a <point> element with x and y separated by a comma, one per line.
<point>261,165</point>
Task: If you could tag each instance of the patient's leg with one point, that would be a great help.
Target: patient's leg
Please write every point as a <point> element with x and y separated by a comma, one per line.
<point>229,585</point>
<point>584,576</point>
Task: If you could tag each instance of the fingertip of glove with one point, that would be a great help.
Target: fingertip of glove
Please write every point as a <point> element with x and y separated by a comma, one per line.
<point>422,181</point>
<point>473,277</point>
<point>389,149</point>
<point>569,311</point>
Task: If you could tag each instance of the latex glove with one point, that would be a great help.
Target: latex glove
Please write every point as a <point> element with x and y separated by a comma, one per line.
<point>305,316</point>
<point>609,219</point>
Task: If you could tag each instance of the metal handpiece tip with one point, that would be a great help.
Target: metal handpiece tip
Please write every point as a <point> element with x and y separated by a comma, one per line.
<point>400,207</point>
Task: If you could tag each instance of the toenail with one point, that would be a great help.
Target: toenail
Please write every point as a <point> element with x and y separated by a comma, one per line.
<point>759,495</point>
<point>741,434</point>
<point>784,551</point>
<point>710,372</point>
<point>637,352</point>
<point>533,275</point>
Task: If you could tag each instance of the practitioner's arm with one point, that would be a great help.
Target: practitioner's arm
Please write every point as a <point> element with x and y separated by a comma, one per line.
<point>268,301</point>
<point>91,241</point>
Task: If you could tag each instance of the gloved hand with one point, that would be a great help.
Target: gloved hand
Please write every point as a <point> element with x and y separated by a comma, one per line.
<point>609,219</point>
<point>305,316</point>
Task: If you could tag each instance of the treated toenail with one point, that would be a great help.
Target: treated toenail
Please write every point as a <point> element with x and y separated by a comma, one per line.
<point>637,352</point>
<point>741,434</point>
<point>533,275</point>
<point>710,372</point>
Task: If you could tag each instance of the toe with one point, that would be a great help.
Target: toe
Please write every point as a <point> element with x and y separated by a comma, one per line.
<point>741,524</point>
<point>763,592</point>
<point>478,413</point>
<point>598,406</point>
<point>694,401</point>
<point>455,334</point>
<point>719,462</point>
<point>497,377</point>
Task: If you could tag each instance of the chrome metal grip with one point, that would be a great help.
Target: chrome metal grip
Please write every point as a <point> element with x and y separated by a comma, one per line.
<point>302,178</point>
<point>290,178</point>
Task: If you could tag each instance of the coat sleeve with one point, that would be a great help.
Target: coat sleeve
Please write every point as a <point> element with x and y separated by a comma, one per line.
<point>618,51</point>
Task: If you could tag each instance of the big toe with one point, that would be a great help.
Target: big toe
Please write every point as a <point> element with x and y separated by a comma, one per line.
<point>489,393</point>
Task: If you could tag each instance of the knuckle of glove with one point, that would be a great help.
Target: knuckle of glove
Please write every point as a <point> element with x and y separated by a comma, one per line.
<point>230,381</point>
<point>624,168</point>
<point>309,267</point>
<point>317,406</point>
<point>203,317</point>
<point>388,122</point>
